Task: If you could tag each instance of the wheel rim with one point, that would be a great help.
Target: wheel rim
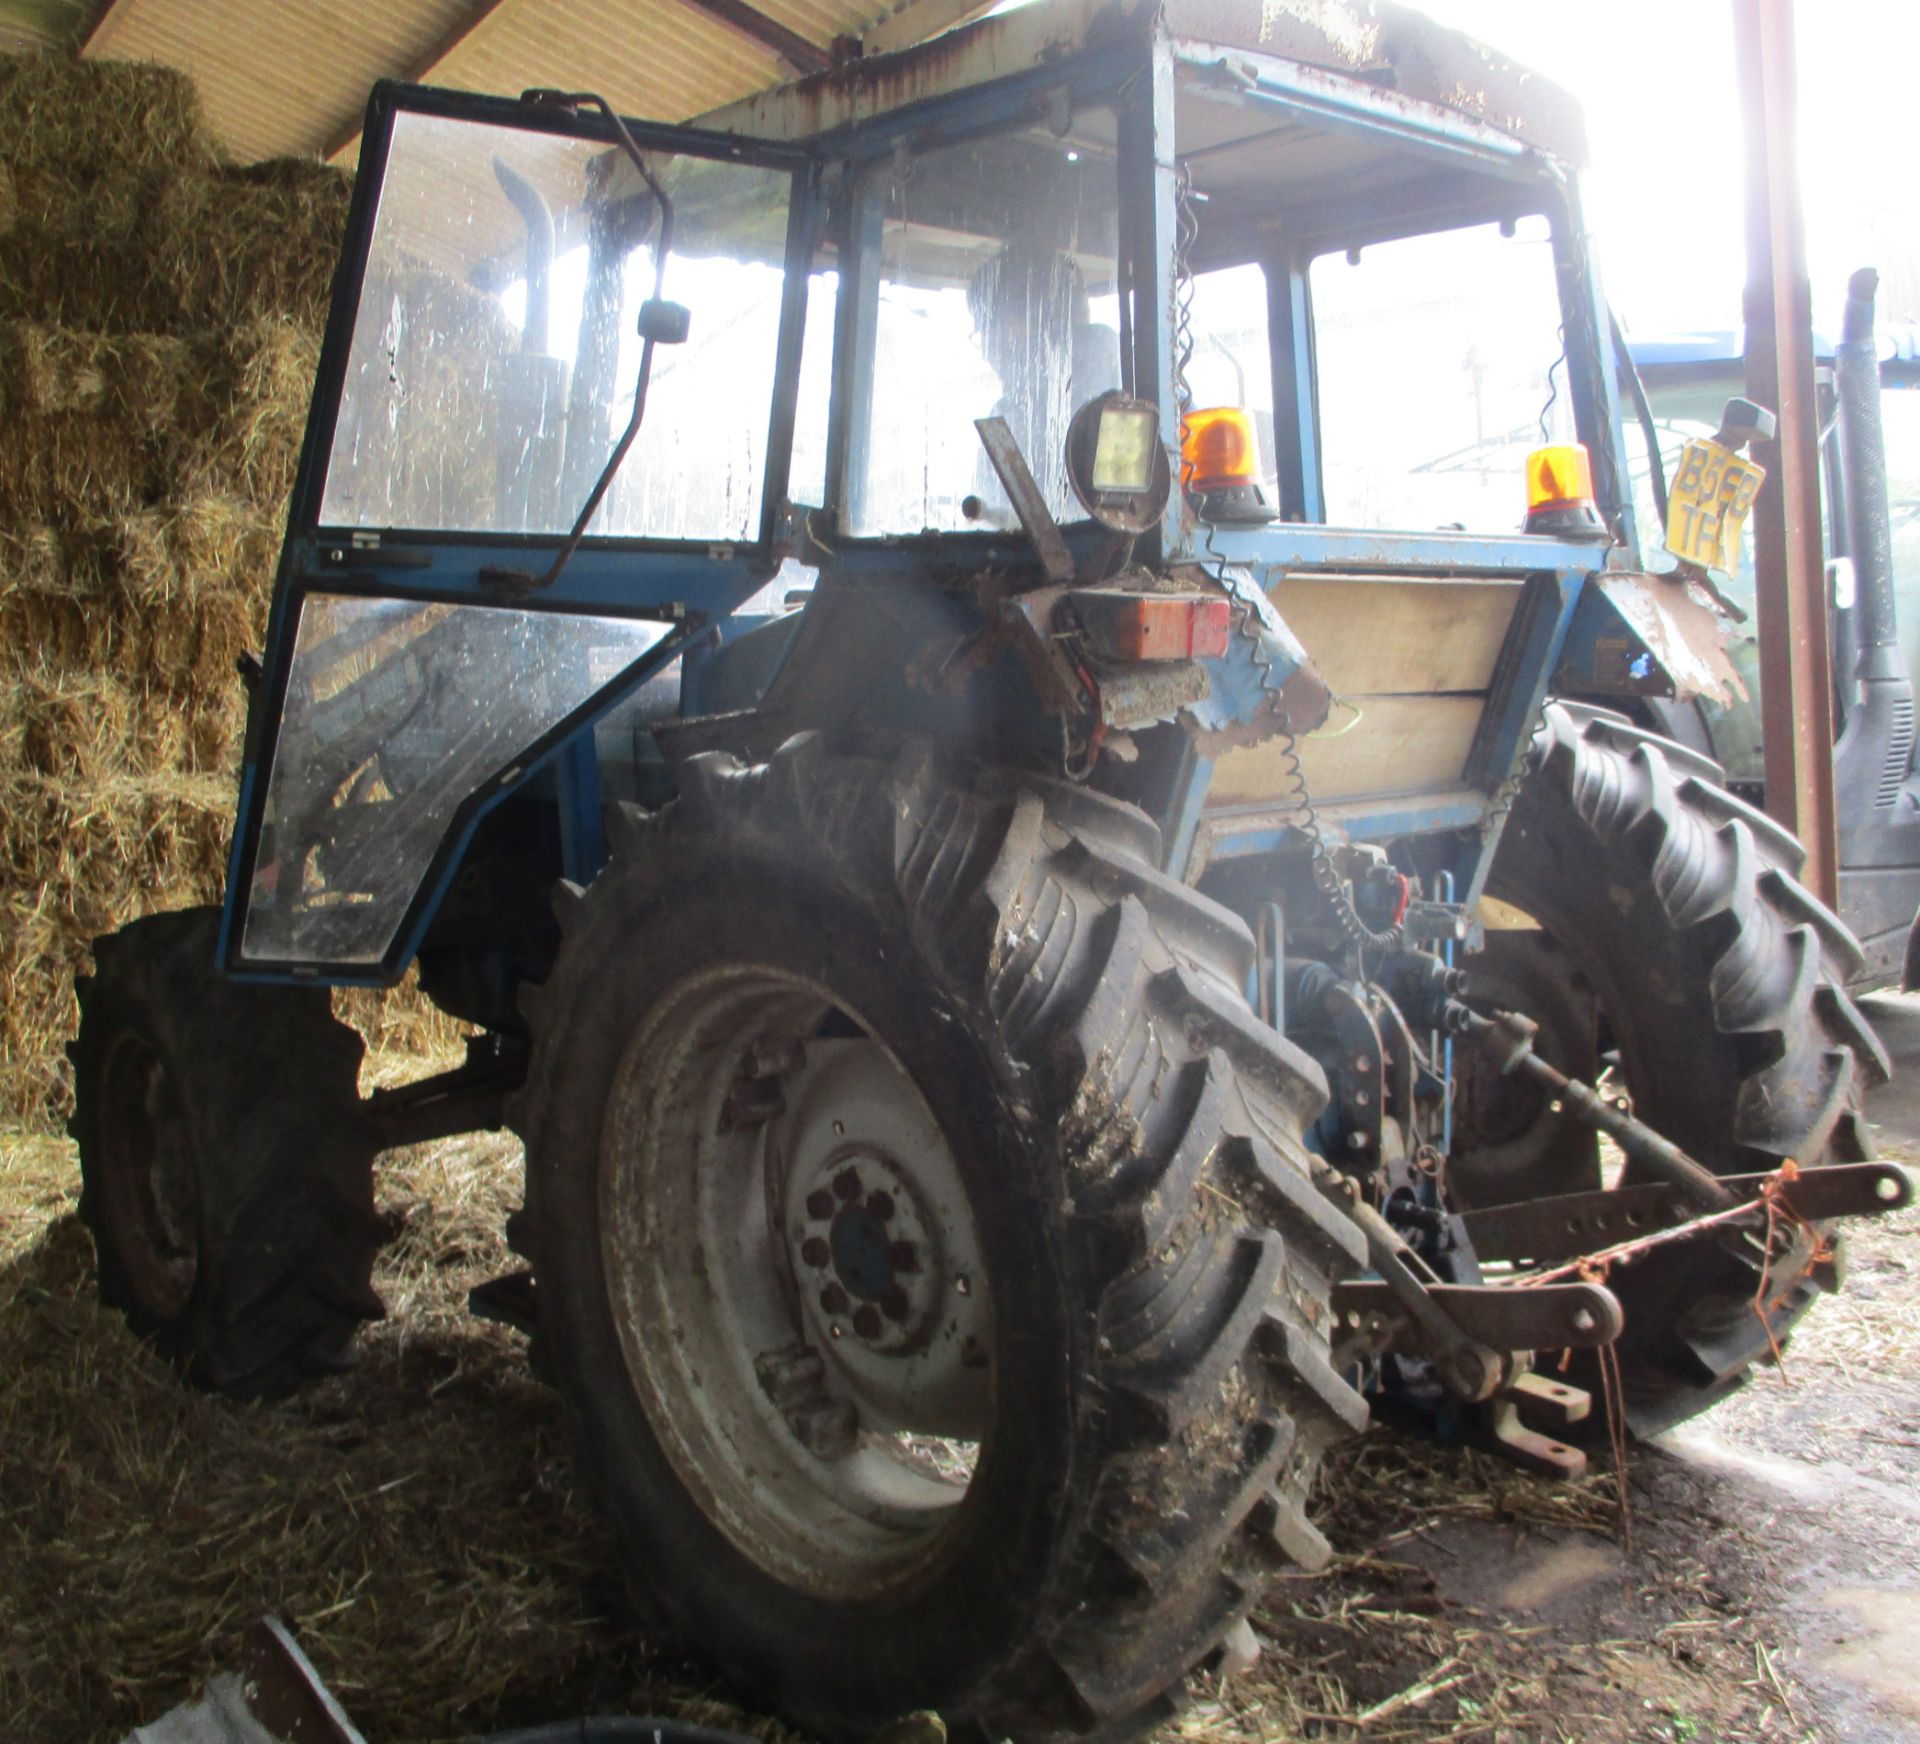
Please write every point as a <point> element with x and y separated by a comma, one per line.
<point>796,1278</point>
<point>148,1178</point>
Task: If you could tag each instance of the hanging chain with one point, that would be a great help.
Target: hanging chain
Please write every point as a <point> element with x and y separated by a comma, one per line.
<point>1326,875</point>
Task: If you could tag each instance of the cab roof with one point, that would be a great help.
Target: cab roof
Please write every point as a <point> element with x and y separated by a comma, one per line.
<point>1403,56</point>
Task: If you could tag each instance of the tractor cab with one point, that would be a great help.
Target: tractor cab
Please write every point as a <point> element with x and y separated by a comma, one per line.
<point>605,405</point>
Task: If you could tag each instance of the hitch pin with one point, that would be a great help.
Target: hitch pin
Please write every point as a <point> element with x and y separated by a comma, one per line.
<point>1507,1039</point>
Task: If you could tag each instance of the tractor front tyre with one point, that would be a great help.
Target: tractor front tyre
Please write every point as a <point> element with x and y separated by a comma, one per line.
<point>226,1174</point>
<point>927,1248</point>
<point>1671,931</point>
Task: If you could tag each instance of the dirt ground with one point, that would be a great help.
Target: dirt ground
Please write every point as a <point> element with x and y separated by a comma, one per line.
<point>416,1521</point>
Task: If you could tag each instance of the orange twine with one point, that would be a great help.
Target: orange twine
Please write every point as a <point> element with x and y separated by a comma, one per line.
<point>1594,1269</point>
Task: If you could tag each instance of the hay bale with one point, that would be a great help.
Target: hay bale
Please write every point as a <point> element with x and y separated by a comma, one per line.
<point>92,120</point>
<point>39,956</point>
<point>77,859</point>
<point>263,240</point>
<point>106,423</point>
<point>261,381</point>
<point>160,320</point>
<point>116,212</point>
<point>135,381</point>
<point>170,252</point>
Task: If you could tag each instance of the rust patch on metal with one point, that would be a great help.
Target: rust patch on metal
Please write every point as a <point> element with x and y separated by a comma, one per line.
<point>1680,630</point>
<point>1406,57</point>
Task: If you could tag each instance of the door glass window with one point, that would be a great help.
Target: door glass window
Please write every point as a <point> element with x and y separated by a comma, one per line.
<point>395,713</point>
<point>495,348</point>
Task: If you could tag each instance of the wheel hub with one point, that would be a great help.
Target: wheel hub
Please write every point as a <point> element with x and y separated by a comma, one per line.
<point>869,1258</point>
<point>880,1241</point>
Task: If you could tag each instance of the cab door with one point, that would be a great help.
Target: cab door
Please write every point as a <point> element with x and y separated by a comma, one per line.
<point>511,272</point>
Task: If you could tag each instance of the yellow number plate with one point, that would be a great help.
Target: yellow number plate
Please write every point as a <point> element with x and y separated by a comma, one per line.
<point>1707,506</point>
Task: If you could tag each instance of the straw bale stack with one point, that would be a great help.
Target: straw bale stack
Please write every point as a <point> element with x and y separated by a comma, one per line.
<point>160,315</point>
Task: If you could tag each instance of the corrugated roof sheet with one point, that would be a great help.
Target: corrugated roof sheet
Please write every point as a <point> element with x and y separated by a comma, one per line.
<point>291,78</point>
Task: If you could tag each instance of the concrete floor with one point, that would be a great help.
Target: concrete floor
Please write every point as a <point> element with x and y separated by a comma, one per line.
<point>1783,1526</point>
<point>1826,1471</point>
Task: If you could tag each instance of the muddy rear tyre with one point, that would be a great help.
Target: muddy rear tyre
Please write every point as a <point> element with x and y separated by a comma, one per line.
<point>1671,907</point>
<point>1154,1260</point>
<point>226,1175</point>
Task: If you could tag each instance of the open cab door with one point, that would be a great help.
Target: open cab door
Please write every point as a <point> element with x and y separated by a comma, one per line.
<point>468,580</point>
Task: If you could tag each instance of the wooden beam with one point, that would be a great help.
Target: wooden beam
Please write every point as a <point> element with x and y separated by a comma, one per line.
<point>106,26</point>
<point>483,12</point>
<point>917,20</point>
<point>764,32</point>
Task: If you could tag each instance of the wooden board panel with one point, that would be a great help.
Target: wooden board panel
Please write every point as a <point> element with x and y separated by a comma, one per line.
<point>1377,637</point>
<point>1400,744</point>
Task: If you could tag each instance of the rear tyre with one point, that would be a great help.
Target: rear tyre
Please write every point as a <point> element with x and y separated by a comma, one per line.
<point>1669,907</point>
<point>226,1174</point>
<point>927,1248</point>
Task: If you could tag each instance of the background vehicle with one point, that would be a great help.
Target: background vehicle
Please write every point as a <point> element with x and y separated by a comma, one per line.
<point>1871,512</point>
<point>972,986</point>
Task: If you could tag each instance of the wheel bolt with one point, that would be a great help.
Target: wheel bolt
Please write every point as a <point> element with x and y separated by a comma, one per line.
<point>820,1205</point>
<point>847,1185</point>
<point>834,1300</point>
<point>894,1303</point>
<point>881,1205</point>
<point>814,1251</point>
<point>866,1320</point>
<point>902,1257</point>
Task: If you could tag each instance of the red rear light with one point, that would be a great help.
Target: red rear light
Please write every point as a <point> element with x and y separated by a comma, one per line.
<point>1212,621</point>
<point>1154,626</point>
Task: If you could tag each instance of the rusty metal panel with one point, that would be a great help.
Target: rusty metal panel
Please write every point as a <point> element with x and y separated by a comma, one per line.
<point>291,79</point>
<point>1681,632</point>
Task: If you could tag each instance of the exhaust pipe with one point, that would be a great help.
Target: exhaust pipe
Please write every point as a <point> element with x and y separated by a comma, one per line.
<point>1863,460</point>
<point>1875,751</point>
<point>531,204</point>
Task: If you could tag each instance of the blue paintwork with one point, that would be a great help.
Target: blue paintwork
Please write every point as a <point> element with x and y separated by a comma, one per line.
<point>1296,434</point>
<point>1595,619</point>
<point>1286,546</point>
<point>1443,1052</point>
<point>1253,832</point>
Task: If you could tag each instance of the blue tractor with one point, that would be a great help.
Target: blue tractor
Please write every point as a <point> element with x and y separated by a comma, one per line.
<point>892,654</point>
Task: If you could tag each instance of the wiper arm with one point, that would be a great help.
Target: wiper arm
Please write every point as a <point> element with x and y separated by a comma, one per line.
<point>661,323</point>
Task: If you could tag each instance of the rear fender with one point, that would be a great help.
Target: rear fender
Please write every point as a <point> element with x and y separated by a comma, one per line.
<point>1636,634</point>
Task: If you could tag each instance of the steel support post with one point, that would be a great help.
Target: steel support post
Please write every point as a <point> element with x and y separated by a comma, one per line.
<point>1795,667</point>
